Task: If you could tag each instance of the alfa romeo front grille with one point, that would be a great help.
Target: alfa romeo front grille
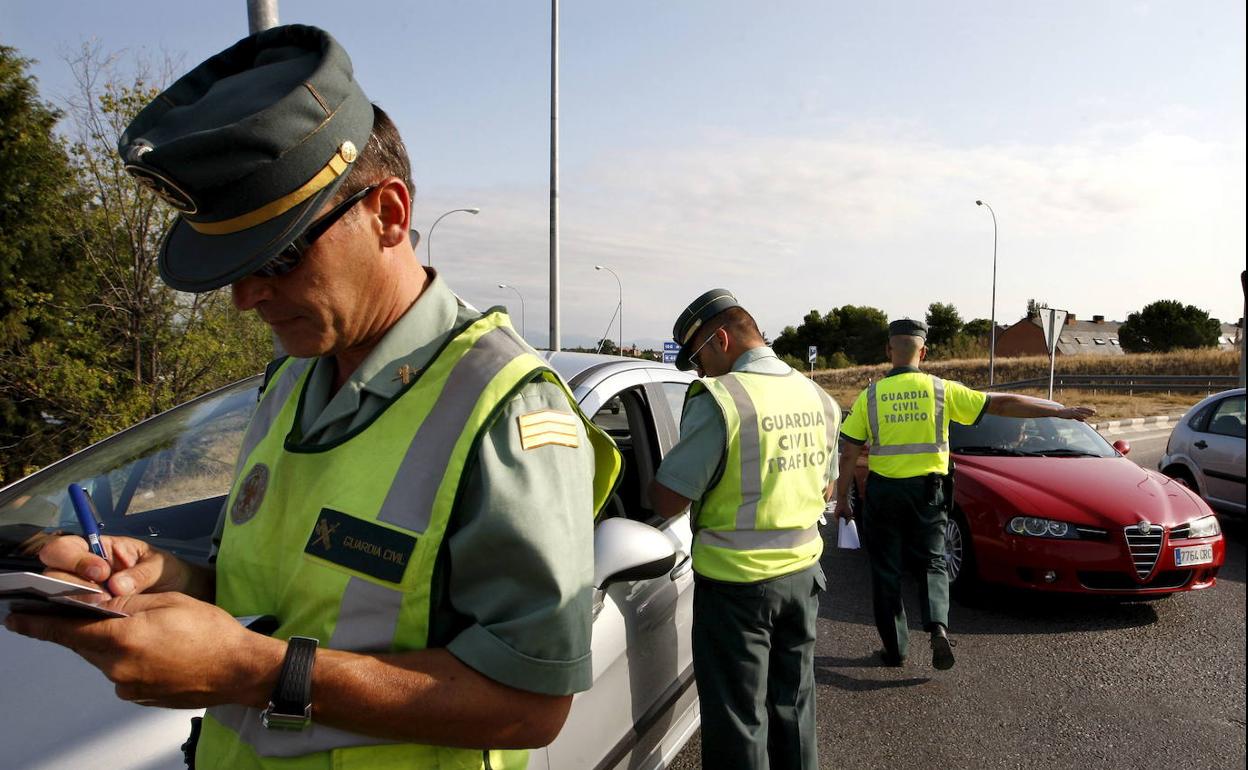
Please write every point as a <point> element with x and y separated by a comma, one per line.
<point>1145,548</point>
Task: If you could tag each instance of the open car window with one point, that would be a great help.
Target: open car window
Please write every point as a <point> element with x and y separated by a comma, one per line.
<point>164,479</point>
<point>626,418</point>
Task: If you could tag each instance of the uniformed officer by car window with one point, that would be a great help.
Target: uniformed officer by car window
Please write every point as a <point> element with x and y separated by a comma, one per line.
<point>756,458</point>
<point>903,420</point>
<point>414,497</point>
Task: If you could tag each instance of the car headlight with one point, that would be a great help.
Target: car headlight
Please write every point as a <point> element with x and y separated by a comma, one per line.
<point>1205,527</point>
<point>1034,526</point>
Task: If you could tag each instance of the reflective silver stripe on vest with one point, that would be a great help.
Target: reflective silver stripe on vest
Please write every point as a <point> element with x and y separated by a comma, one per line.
<point>831,415</point>
<point>758,539</point>
<point>409,503</point>
<point>873,422</point>
<point>367,617</point>
<point>751,452</point>
<point>286,743</point>
<point>272,400</point>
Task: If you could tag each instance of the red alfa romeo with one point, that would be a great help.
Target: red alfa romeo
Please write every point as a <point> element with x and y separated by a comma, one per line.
<point>1050,505</point>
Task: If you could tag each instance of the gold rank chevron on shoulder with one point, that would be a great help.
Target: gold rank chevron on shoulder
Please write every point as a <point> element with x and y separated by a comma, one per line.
<point>547,426</point>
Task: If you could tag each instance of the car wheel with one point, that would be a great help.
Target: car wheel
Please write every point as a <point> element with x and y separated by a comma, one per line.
<point>959,557</point>
<point>1183,476</point>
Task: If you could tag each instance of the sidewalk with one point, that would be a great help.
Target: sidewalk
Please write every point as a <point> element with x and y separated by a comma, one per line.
<point>1134,424</point>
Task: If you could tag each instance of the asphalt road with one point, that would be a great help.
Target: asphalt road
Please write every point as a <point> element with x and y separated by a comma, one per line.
<point>1041,682</point>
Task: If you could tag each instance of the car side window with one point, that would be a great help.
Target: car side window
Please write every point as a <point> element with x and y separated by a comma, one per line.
<point>1200,421</point>
<point>675,392</point>
<point>1228,418</point>
<point>626,418</point>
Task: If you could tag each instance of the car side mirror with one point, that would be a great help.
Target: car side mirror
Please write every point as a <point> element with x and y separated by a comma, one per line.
<point>1123,446</point>
<point>629,550</point>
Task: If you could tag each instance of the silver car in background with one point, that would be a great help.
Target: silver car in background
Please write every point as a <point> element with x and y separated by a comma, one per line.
<point>1206,451</point>
<point>165,480</point>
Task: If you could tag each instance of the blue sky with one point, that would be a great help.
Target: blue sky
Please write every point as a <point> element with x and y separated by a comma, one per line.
<point>803,154</point>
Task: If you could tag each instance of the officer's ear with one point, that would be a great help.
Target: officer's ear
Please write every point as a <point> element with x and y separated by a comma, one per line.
<point>394,210</point>
<point>923,353</point>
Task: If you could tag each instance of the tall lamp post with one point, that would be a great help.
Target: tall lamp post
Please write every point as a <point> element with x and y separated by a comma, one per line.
<point>620,305</point>
<point>429,238</point>
<point>992,333</point>
<point>521,296</point>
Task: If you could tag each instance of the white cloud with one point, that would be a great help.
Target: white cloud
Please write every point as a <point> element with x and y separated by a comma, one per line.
<point>1097,226</point>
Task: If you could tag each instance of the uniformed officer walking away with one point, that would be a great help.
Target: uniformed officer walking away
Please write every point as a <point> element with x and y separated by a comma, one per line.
<point>904,420</point>
<point>757,460</point>
<point>415,495</point>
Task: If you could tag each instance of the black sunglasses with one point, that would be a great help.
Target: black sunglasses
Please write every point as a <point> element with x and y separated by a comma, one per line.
<point>290,256</point>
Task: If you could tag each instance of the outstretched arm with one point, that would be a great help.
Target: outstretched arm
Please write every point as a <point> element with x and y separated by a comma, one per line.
<point>1012,405</point>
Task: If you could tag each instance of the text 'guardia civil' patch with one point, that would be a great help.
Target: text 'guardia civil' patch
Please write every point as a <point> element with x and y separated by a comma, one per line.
<point>360,545</point>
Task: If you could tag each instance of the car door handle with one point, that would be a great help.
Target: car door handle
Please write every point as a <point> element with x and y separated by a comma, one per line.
<point>1200,444</point>
<point>682,569</point>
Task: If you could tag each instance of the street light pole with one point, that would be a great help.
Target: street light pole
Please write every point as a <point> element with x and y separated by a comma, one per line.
<point>429,238</point>
<point>992,332</point>
<point>621,302</point>
<point>521,296</point>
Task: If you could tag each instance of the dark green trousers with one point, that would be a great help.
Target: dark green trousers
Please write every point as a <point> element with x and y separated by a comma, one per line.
<point>754,661</point>
<point>904,528</point>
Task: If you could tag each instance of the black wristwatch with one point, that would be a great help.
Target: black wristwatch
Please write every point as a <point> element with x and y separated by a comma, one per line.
<point>290,705</point>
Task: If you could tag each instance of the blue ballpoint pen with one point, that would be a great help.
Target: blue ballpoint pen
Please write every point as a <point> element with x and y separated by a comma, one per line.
<point>85,508</point>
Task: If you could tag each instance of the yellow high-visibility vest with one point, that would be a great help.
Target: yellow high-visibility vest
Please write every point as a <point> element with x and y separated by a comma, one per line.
<point>760,519</point>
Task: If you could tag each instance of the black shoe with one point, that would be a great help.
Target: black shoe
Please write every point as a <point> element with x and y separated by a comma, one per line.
<point>942,650</point>
<point>890,658</point>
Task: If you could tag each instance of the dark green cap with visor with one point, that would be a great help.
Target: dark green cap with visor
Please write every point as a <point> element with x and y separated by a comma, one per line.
<point>703,309</point>
<point>248,147</point>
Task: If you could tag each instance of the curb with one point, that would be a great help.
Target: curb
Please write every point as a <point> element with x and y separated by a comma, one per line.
<point>1134,423</point>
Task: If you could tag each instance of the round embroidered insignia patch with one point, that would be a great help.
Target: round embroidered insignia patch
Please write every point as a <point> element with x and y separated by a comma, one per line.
<point>250,494</point>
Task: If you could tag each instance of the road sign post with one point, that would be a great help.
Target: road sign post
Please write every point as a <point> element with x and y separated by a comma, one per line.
<point>812,352</point>
<point>1052,321</point>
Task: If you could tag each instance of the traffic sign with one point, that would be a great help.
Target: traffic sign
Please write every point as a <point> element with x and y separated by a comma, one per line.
<point>1052,321</point>
<point>670,349</point>
<point>812,352</point>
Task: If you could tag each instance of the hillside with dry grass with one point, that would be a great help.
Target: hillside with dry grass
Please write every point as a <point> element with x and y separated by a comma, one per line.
<point>844,384</point>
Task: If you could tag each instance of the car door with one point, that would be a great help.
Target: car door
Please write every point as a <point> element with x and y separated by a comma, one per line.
<point>1219,451</point>
<point>642,706</point>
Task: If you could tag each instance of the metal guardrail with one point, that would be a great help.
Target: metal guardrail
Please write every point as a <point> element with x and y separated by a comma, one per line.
<point>1184,383</point>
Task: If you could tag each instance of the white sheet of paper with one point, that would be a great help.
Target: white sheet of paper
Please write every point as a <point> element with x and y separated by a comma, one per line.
<point>847,534</point>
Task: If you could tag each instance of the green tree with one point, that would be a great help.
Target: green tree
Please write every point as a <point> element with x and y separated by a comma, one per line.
<point>978,327</point>
<point>943,323</point>
<point>858,333</point>
<point>1167,325</point>
<point>37,263</point>
<point>129,346</point>
<point>1034,306</point>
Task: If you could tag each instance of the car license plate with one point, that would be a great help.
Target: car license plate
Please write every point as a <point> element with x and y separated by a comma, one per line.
<point>1193,555</point>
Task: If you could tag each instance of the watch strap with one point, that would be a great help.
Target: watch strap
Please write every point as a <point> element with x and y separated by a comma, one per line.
<point>290,705</point>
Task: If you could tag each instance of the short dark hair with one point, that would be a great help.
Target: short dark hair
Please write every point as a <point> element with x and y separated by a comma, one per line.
<point>738,321</point>
<point>384,155</point>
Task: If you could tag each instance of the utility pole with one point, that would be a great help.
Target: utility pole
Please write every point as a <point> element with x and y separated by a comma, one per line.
<point>261,15</point>
<point>554,175</point>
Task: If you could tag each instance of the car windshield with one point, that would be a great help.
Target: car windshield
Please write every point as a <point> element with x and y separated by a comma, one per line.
<point>1031,437</point>
<point>164,480</point>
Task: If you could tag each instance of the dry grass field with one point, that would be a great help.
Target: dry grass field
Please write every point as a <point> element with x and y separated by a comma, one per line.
<point>844,384</point>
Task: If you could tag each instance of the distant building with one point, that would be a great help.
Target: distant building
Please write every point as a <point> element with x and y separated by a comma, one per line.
<point>1231,337</point>
<point>1097,337</point>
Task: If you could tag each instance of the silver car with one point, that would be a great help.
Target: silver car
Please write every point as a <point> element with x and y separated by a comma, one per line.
<point>165,480</point>
<point>1206,451</point>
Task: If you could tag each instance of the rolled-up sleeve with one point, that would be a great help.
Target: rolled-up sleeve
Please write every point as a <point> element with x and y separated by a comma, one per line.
<point>521,556</point>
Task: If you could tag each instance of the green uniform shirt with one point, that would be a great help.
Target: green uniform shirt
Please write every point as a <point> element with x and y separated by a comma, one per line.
<point>695,464</point>
<point>961,404</point>
<point>527,626</point>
